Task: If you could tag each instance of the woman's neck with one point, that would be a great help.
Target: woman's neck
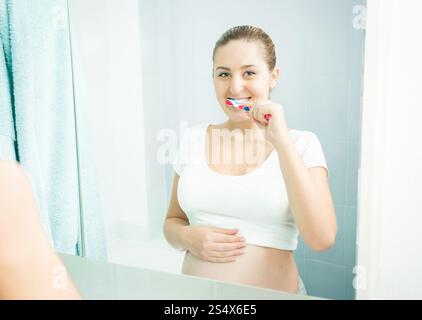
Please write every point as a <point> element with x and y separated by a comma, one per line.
<point>249,130</point>
<point>243,125</point>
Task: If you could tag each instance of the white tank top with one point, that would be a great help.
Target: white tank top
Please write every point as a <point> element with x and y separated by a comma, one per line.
<point>256,203</point>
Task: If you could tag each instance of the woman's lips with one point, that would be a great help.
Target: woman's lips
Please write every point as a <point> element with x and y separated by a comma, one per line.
<point>245,98</point>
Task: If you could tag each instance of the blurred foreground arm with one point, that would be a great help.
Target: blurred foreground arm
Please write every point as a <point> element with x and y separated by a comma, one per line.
<point>29,268</point>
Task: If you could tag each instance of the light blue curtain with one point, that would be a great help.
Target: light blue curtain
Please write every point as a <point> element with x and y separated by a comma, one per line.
<point>37,122</point>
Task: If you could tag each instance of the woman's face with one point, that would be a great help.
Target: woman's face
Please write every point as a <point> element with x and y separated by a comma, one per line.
<point>241,72</point>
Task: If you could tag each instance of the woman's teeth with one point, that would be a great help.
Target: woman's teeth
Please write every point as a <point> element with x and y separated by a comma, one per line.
<point>238,104</point>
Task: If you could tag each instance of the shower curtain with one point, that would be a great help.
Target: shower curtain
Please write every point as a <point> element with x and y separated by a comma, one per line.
<point>37,123</point>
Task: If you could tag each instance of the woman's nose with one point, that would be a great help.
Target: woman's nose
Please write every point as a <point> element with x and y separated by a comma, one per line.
<point>236,85</point>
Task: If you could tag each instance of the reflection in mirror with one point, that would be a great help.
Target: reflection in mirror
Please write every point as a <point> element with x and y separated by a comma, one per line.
<point>171,200</point>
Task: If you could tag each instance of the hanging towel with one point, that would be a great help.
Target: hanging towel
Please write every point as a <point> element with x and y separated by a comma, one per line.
<point>7,129</point>
<point>38,120</point>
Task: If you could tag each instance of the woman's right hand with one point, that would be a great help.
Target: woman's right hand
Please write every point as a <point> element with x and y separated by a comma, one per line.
<point>214,244</point>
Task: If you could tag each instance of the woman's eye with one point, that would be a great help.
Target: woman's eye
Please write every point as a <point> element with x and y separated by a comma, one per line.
<point>250,73</point>
<point>223,74</point>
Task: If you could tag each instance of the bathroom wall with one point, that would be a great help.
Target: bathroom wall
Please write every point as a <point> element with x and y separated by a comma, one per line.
<point>108,97</point>
<point>319,46</point>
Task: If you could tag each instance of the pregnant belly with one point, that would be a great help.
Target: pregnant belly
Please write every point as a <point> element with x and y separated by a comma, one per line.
<point>258,266</point>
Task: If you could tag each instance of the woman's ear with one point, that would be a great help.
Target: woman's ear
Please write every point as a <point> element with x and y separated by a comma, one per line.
<point>275,74</point>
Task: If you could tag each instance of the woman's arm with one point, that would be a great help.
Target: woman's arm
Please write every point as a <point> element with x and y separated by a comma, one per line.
<point>176,220</point>
<point>307,189</point>
<point>29,268</point>
<point>309,197</point>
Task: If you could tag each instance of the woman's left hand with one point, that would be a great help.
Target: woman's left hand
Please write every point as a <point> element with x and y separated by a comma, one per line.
<point>275,128</point>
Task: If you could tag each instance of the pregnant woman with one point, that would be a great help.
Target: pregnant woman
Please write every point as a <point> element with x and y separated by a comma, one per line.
<point>244,189</point>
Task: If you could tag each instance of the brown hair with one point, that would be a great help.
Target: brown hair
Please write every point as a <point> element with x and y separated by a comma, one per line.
<point>249,33</point>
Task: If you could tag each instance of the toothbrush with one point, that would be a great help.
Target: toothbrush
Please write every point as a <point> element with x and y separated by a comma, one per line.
<point>240,104</point>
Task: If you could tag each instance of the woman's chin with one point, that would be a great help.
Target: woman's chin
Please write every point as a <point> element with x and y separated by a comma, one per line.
<point>239,117</point>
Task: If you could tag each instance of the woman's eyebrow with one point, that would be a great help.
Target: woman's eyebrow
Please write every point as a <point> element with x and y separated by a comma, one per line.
<point>243,67</point>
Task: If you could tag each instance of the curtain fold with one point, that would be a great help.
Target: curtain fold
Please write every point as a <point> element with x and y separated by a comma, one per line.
<point>37,120</point>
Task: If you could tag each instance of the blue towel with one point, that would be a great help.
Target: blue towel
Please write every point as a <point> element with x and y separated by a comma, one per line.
<point>37,122</point>
<point>7,129</point>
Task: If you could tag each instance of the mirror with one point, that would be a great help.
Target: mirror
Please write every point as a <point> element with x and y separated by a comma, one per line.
<point>143,75</point>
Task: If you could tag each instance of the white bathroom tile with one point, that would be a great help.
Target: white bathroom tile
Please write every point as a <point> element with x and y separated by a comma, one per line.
<point>326,280</point>
<point>350,222</point>
<point>353,160</point>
